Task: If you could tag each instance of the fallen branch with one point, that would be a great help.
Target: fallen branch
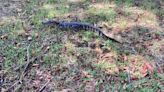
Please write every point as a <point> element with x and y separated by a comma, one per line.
<point>25,69</point>
<point>44,86</point>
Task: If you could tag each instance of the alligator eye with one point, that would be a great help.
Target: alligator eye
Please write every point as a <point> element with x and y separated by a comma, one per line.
<point>44,22</point>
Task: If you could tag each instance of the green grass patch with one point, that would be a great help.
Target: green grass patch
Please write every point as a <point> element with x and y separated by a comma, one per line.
<point>53,56</point>
<point>36,11</point>
<point>88,35</point>
<point>126,2</point>
<point>109,43</point>
<point>13,56</point>
<point>96,15</point>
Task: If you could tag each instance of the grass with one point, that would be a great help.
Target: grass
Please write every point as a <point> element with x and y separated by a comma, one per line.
<point>69,66</point>
<point>105,14</point>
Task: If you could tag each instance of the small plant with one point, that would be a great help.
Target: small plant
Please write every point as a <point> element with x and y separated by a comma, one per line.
<point>111,44</point>
<point>88,35</point>
<point>96,15</point>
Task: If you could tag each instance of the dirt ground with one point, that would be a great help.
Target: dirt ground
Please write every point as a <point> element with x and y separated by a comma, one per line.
<point>33,58</point>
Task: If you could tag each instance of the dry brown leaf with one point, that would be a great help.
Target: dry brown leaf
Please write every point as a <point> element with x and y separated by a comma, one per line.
<point>5,36</point>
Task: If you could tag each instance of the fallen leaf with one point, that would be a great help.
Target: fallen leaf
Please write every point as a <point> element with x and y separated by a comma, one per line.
<point>29,38</point>
<point>37,35</point>
<point>35,65</point>
<point>5,36</point>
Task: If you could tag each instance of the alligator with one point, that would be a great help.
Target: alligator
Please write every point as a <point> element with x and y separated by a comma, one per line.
<point>77,26</point>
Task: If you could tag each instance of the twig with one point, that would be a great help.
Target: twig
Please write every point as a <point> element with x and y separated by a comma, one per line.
<point>129,78</point>
<point>26,65</point>
<point>44,86</point>
<point>25,69</point>
<point>13,85</point>
<point>28,61</point>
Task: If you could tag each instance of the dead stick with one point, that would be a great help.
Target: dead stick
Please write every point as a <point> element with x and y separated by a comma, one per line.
<point>23,73</point>
<point>43,87</point>
<point>28,61</point>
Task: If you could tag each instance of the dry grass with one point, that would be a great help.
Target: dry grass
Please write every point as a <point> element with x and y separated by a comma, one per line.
<point>34,57</point>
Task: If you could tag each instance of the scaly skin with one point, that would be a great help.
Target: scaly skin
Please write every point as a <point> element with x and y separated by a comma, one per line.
<point>77,26</point>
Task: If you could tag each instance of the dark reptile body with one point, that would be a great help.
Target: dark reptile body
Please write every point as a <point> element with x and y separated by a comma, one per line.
<point>77,26</point>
